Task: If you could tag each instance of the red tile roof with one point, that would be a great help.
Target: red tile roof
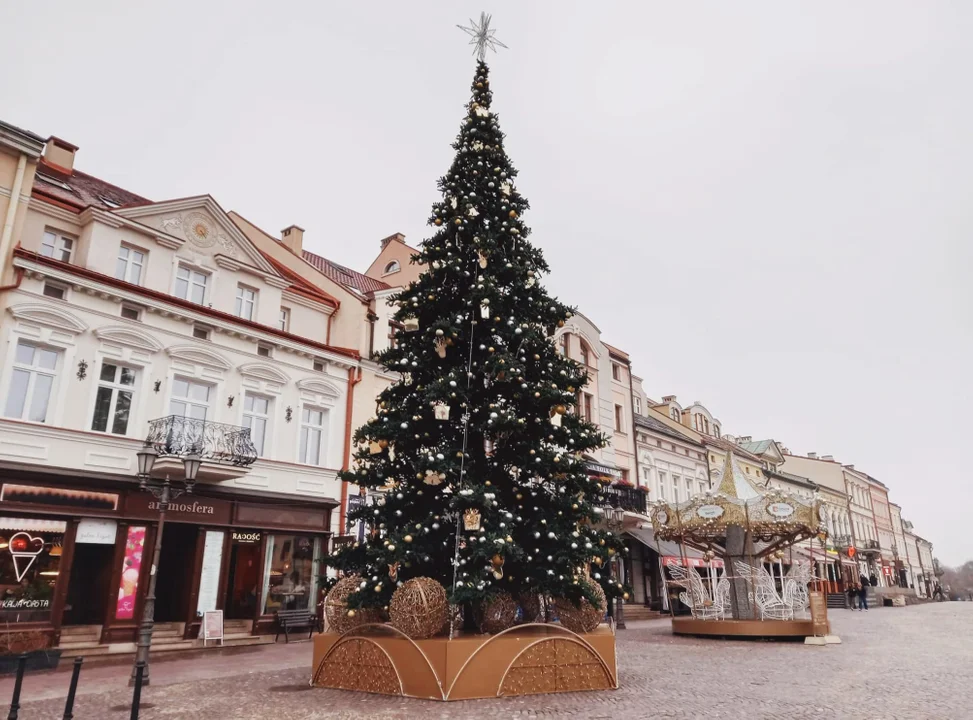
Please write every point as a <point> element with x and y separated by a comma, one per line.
<point>344,276</point>
<point>80,190</point>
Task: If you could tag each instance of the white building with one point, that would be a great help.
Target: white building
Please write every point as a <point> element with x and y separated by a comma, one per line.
<point>123,320</point>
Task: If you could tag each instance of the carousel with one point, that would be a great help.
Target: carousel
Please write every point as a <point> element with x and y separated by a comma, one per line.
<point>745,534</point>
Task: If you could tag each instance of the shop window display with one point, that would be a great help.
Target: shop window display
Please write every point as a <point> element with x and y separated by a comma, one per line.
<point>290,578</point>
<point>30,559</point>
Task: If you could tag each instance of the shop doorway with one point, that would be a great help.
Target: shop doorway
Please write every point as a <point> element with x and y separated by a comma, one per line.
<point>175,580</point>
<point>243,580</point>
<point>88,589</point>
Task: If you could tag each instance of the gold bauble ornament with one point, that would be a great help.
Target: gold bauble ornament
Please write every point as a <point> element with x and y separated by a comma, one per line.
<point>496,561</point>
<point>496,614</point>
<point>624,596</point>
<point>437,221</point>
<point>585,617</point>
<point>560,409</point>
<point>419,608</point>
<point>407,538</point>
<point>340,617</point>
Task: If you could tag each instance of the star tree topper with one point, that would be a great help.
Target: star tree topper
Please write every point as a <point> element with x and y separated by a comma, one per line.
<point>482,36</point>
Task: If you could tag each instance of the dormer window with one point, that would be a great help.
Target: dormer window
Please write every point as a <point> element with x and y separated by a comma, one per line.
<point>392,267</point>
<point>57,246</point>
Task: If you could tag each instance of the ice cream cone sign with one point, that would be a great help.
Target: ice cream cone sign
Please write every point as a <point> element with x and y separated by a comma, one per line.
<point>24,548</point>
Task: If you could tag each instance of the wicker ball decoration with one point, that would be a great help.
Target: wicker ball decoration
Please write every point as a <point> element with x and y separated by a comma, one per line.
<point>582,619</point>
<point>535,607</point>
<point>419,608</point>
<point>496,614</point>
<point>341,619</point>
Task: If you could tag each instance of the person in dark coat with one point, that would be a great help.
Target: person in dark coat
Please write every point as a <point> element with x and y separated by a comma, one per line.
<point>853,595</point>
<point>874,581</point>
<point>863,593</point>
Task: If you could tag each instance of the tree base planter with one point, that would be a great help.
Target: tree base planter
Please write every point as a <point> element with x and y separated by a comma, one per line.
<point>36,660</point>
<point>528,659</point>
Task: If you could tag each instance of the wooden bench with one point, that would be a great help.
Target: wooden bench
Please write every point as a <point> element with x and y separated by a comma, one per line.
<point>288,620</point>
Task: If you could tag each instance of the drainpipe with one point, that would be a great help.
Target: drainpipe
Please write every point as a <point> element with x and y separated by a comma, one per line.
<point>353,380</point>
<point>8,222</point>
<point>18,277</point>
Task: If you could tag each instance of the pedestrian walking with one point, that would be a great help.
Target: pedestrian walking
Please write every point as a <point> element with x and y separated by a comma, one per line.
<point>852,595</point>
<point>863,593</point>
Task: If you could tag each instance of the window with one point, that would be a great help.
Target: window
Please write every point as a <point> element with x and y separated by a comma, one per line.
<point>191,284</point>
<point>130,312</point>
<point>284,319</point>
<point>584,406</point>
<point>57,246</point>
<point>53,290</point>
<point>392,267</point>
<point>29,565</point>
<point>201,332</point>
<point>584,354</point>
<point>663,491</point>
<point>31,382</point>
<point>129,265</point>
<point>190,399</point>
<point>290,573</point>
<point>312,432</point>
<point>638,406</point>
<point>109,202</point>
<point>616,371</point>
<point>716,430</point>
<point>674,414</point>
<point>246,300</point>
<point>689,488</point>
<point>113,403</point>
<point>706,426</point>
<point>562,344</point>
<point>256,411</point>
<point>675,488</point>
<point>619,419</point>
<point>264,350</point>
<point>318,366</point>
<point>702,487</point>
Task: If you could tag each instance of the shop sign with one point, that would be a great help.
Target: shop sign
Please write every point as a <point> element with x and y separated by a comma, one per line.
<point>212,626</point>
<point>780,509</point>
<point>95,531</point>
<point>209,576</point>
<point>709,512</point>
<point>185,509</point>
<point>244,537</point>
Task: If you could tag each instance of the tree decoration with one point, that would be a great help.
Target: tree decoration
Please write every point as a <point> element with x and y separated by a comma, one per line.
<point>440,345</point>
<point>584,616</point>
<point>410,324</point>
<point>441,411</point>
<point>534,607</point>
<point>433,478</point>
<point>340,617</point>
<point>496,614</point>
<point>419,608</point>
<point>471,520</point>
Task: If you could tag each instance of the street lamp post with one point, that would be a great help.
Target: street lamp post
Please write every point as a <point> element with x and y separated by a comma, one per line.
<point>164,493</point>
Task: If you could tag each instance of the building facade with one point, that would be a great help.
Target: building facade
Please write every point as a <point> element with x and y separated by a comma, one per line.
<point>125,322</point>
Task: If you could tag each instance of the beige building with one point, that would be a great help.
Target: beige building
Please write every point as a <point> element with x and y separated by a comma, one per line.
<point>124,323</point>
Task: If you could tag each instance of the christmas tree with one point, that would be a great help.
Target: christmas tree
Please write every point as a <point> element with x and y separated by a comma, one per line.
<point>476,448</point>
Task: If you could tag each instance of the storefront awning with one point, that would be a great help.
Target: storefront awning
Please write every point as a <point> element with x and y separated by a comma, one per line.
<point>32,525</point>
<point>670,552</point>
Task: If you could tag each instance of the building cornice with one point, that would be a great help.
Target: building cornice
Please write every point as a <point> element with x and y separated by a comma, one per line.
<point>90,282</point>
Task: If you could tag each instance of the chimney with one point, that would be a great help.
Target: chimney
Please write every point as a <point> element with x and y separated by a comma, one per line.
<point>293,239</point>
<point>395,236</point>
<point>61,153</point>
<point>813,455</point>
<point>785,451</point>
<point>745,439</point>
<point>668,399</point>
<point>850,467</point>
<point>829,458</point>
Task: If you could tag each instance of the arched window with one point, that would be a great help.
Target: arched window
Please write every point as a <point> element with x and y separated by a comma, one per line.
<point>674,414</point>
<point>392,267</point>
<point>585,354</point>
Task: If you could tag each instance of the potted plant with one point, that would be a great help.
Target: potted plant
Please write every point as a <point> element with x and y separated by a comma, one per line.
<point>35,643</point>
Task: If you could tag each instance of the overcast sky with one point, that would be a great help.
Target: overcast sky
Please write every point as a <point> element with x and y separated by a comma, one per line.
<point>766,204</point>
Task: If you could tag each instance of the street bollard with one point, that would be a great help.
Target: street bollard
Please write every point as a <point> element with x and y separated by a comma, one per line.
<point>15,700</point>
<point>69,703</point>
<point>137,693</point>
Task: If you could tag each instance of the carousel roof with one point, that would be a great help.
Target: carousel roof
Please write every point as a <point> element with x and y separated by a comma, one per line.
<point>734,483</point>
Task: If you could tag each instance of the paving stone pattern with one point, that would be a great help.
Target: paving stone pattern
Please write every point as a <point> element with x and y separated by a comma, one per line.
<point>898,663</point>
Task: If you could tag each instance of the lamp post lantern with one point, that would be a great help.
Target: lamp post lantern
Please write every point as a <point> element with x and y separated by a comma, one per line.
<point>164,493</point>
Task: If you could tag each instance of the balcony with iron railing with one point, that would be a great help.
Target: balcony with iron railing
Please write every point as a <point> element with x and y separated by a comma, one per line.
<point>227,451</point>
<point>871,547</point>
<point>625,497</point>
<point>842,542</point>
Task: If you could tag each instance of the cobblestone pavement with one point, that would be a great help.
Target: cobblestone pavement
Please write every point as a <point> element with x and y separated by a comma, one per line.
<point>913,662</point>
